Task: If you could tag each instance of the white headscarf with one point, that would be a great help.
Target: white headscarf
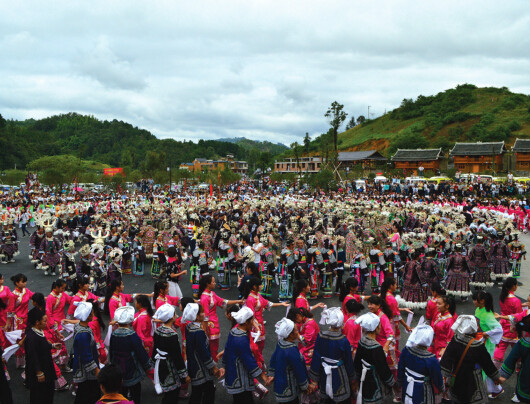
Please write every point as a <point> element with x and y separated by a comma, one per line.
<point>124,315</point>
<point>465,324</point>
<point>421,335</point>
<point>190,312</point>
<point>243,315</point>
<point>165,313</point>
<point>333,317</point>
<point>368,322</point>
<point>83,310</point>
<point>284,328</point>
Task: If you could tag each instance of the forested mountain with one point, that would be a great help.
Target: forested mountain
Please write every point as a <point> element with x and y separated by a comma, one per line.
<point>273,148</point>
<point>462,114</point>
<point>115,143</point>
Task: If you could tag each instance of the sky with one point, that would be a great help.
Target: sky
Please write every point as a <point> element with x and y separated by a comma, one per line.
<point>261,69</point>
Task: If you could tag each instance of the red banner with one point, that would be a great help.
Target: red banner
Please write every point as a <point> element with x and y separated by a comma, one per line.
<point>113,171</point>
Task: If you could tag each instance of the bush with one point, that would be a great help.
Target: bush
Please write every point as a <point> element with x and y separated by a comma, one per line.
<point>487,119</point>
<point>456,117</point>
<point>514,126</point>
<point>451,172</point>
<point>408,140</point>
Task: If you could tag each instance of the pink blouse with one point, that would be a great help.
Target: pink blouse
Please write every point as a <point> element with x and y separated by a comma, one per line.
<point>55,305</point>
<point>346,300</point>
<point>512,305</point>
<point>257,304</point>
<point>18,307</point>
<point>308,335</point>
<point>80,297</point>
<point>118,300</point>
<point>387,332</point>
<point>210,301</point>
<point>5,295</point>
<point>442,332</point>
<point>302,302</point>
<point>142,326</point>
<point>163,299</point>
<point>432,309</point>
<point>352,332</point>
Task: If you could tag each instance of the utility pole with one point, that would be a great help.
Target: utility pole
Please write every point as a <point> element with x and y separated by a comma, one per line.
<point>368,116</point>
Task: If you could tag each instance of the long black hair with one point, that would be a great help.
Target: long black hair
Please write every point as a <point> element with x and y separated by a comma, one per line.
<point>114,284</point>
<point>203,282</point>
<point>97,313</point>
<point>378,300</point>
<point>353,306</point>
<point>507,286</point>
<point>250,285</point>
<point>254,270</point>
<point>159,287</point>
<point>386,285</point>
<point>58,283</point>
<point>298,311</point>
<point>18,278</point>
<point>144,302</point>
<point>487,297</point>
<point>436,287</point>
<point>34,315</point>
<point>2,304</point>
<point>185,301</point>
<point>80,282</point>
<point>298,287</point>
<point>233,309</point>
<point>346,287</point>
<point>450,302</point>
<point>38,299</point>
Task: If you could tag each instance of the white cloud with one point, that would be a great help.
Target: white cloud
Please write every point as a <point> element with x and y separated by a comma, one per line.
<point>264,69</point>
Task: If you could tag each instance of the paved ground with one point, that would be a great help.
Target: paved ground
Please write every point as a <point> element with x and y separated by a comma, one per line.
<point>39,283</point>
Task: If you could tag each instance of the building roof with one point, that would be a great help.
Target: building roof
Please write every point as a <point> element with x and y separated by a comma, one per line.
<point>417,154</point>
<point>521,146</point>
<point>361,155</point>
<point>478,149</point>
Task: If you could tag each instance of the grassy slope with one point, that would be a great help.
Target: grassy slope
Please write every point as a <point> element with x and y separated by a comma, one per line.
<point>378,133</point>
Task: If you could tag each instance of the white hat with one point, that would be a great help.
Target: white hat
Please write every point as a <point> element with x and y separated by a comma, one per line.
<point>421,335</point>
<point>465,324</point>
<point>333,317</point>
<point>284,328</point>
<point>124,315</point>
<point>190,312</point>
<point>83,310</point>
<point>164,313</point>
<point>368,322</point>
<point>243,315</point>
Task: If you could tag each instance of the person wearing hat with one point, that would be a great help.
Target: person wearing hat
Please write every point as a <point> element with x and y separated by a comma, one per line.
<point>371,368</point>
<point>201,367</point>
<point>170,370</point>
<point>419,371</point>
<point>458,274</point>
<point>127,351</point>
<point>478,260</point>
<point>287,365</point>
<point>86,362</point>
<point>464,360</point>
<point>240,365</point>
<point>332,365</point>
<point>500,255</point>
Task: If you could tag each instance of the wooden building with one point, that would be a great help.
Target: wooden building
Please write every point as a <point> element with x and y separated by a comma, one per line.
<point>409,160</point>
<point>369,159</point>
<point>478,157</point>
<point>305,165</point>
<point>201,164</point>
<point>521,149</point>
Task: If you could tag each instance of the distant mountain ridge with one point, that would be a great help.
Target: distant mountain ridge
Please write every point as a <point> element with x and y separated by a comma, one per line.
<point>274,148</point>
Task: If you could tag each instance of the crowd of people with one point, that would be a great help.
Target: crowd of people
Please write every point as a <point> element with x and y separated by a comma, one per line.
<point>393,250</point>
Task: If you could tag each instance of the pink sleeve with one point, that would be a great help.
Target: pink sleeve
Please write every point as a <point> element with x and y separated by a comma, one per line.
<point>72,307</point>
<point>92,296</point>
<point>301,303</point>
<point>113,305</point>
<point>251,303</point>
<point>174,300</point>
<point>311,333</point>
<point>387,328</point>
<point>205,302</point>
<point>49,305</point>
<point>218,300</point>
<point>128,298</point>
<point>68,298</point>
<point>145,328</point>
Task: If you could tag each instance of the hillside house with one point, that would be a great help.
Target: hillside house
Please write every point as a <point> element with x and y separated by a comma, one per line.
<point>369,159</point>
<point>521,149</point>
<point>478,157</point>
<point>409,160</point>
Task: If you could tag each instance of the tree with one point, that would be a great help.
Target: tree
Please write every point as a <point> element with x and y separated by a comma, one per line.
<point>351,123</point>
<point>336,117</point>
<point>360,119</point>
<point>307,143</point>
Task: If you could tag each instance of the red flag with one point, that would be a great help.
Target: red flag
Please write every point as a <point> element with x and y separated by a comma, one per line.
<point>211,189</point>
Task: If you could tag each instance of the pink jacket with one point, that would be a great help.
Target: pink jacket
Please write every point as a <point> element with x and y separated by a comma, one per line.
<point>210,301</point>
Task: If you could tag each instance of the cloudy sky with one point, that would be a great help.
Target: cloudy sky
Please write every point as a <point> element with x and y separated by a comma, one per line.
<point>262,69</point>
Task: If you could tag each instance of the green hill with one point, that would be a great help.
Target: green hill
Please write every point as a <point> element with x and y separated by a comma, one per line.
<point>248,144</point>
<point>114,143</point>
<point>465,113</point>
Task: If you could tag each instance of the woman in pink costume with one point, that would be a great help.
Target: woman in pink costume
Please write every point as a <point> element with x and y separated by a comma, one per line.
<point>56,303</point>
<point>308,329</point>
<point>300,291</point>
<point>348,291</point>
<point>388,288</point>
<point>350,329</point>
<point>257,304</point>
<point>510,305</point>
<point>441,324</point>
<point>210,301</point>
<point>82,295</point>
<point>142,322</point>
<point>17,311</point>
<point>161,296</point>
<point>5,295</point>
